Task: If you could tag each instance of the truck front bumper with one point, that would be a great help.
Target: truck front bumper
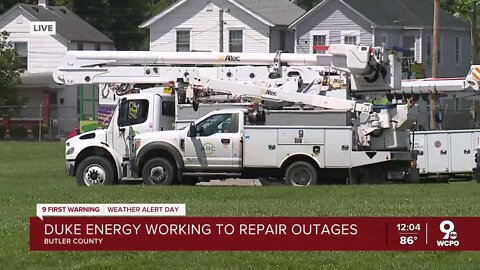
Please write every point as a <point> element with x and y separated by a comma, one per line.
<point>70,167</point>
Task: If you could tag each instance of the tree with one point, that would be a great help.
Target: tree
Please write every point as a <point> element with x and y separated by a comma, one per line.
<point>7,4</point>
<point>156,6</point>
<point>10,64</point>
<point>458,7</point>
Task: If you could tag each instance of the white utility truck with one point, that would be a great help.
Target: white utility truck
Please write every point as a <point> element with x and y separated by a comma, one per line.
<point>444,153</point>
<point>158,108</point>
<point>366,143</point>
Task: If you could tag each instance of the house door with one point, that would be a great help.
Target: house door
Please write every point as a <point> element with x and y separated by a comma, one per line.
<point>409,47</point>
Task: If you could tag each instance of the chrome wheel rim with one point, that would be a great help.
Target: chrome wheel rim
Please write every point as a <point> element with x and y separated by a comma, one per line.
<point>94,174</point>
<point>158,174</point>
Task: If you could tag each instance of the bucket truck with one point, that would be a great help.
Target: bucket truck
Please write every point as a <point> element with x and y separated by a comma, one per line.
<point>444,153</point>
<point>363,141</point>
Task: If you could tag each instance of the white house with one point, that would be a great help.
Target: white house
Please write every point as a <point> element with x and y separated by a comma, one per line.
<point>61,106</point>
<point>404,24</point>
<point>224,25</point>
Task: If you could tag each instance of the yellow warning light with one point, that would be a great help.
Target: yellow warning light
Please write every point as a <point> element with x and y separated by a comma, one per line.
<point>167,90</point>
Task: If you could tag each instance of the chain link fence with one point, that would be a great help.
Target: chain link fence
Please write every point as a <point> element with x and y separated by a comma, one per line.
<point>37,122</point>
<point>56,122</point>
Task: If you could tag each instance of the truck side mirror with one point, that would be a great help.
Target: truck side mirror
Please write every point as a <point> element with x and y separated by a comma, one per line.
<point>192,132</point>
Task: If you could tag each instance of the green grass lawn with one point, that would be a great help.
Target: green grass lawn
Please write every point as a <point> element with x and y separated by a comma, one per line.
<point>32,173</point>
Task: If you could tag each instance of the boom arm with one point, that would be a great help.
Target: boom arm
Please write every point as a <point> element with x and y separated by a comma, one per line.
<point>368,67</point>
<point>278,94</point>
<point>469,83</point>
<point>395,119</point>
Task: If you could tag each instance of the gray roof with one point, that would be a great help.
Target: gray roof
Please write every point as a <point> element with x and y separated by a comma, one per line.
<point>69,25</point>
<point>279,12</point>
<point>403,13</point>
<point>396,13</point>
<point>271,12</point>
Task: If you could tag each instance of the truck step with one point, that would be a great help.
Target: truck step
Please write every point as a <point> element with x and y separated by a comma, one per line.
<point>212,174</point>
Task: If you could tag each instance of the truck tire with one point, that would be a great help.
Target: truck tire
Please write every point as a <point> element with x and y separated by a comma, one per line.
<point>158,171</point>
<point>94,171</point>
<point>301,173</point>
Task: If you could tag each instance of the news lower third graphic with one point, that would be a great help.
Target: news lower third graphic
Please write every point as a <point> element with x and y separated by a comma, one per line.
<point>166,227</point>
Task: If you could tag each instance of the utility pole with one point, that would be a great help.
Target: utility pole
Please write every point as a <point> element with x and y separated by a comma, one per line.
<point>220,22</point>
<point>473,45</point>
<point>473,31</point>
<point>433,96</point>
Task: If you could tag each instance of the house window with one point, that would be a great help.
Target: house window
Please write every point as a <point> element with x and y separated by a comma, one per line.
<point>351,37</point>
<point>235,41</point>
<point>409,47</point>
<point>352,40</point>
<point>457,50</point>
<point>22,50</point>
<point>319,40</point>
<point>97,46</point>
<point>384,40</point>
<point>183,40</point>
<point>440,47</point>
<point>282,40</point>
<point>80,46</point>
<point>429,50</point>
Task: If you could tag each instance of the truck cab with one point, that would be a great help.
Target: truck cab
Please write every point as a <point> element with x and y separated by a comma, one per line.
<point>100,156</point>
<point>213,143</point>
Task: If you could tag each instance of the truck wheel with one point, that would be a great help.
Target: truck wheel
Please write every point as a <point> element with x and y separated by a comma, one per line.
<point>94,171</point>
<point>301,173</point>
<point>158,171</point>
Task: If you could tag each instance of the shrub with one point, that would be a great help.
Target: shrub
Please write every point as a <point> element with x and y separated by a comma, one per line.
<point>18,132</point>
<point>35,131</point>
<point>2,132</point>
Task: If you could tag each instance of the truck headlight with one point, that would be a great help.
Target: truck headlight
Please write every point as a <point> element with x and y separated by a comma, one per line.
<point>138,143</point>
<point>70,151</point>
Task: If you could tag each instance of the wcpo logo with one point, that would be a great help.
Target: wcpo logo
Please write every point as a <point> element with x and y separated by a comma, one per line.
<point>450,235</point>
<point>229,58</point>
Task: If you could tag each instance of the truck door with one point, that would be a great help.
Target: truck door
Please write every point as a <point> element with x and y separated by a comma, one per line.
<point>338,148</point>
<point>134,116</point>
<point>462,152</point>
<point>213,146</point>
<point>438,153</point>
